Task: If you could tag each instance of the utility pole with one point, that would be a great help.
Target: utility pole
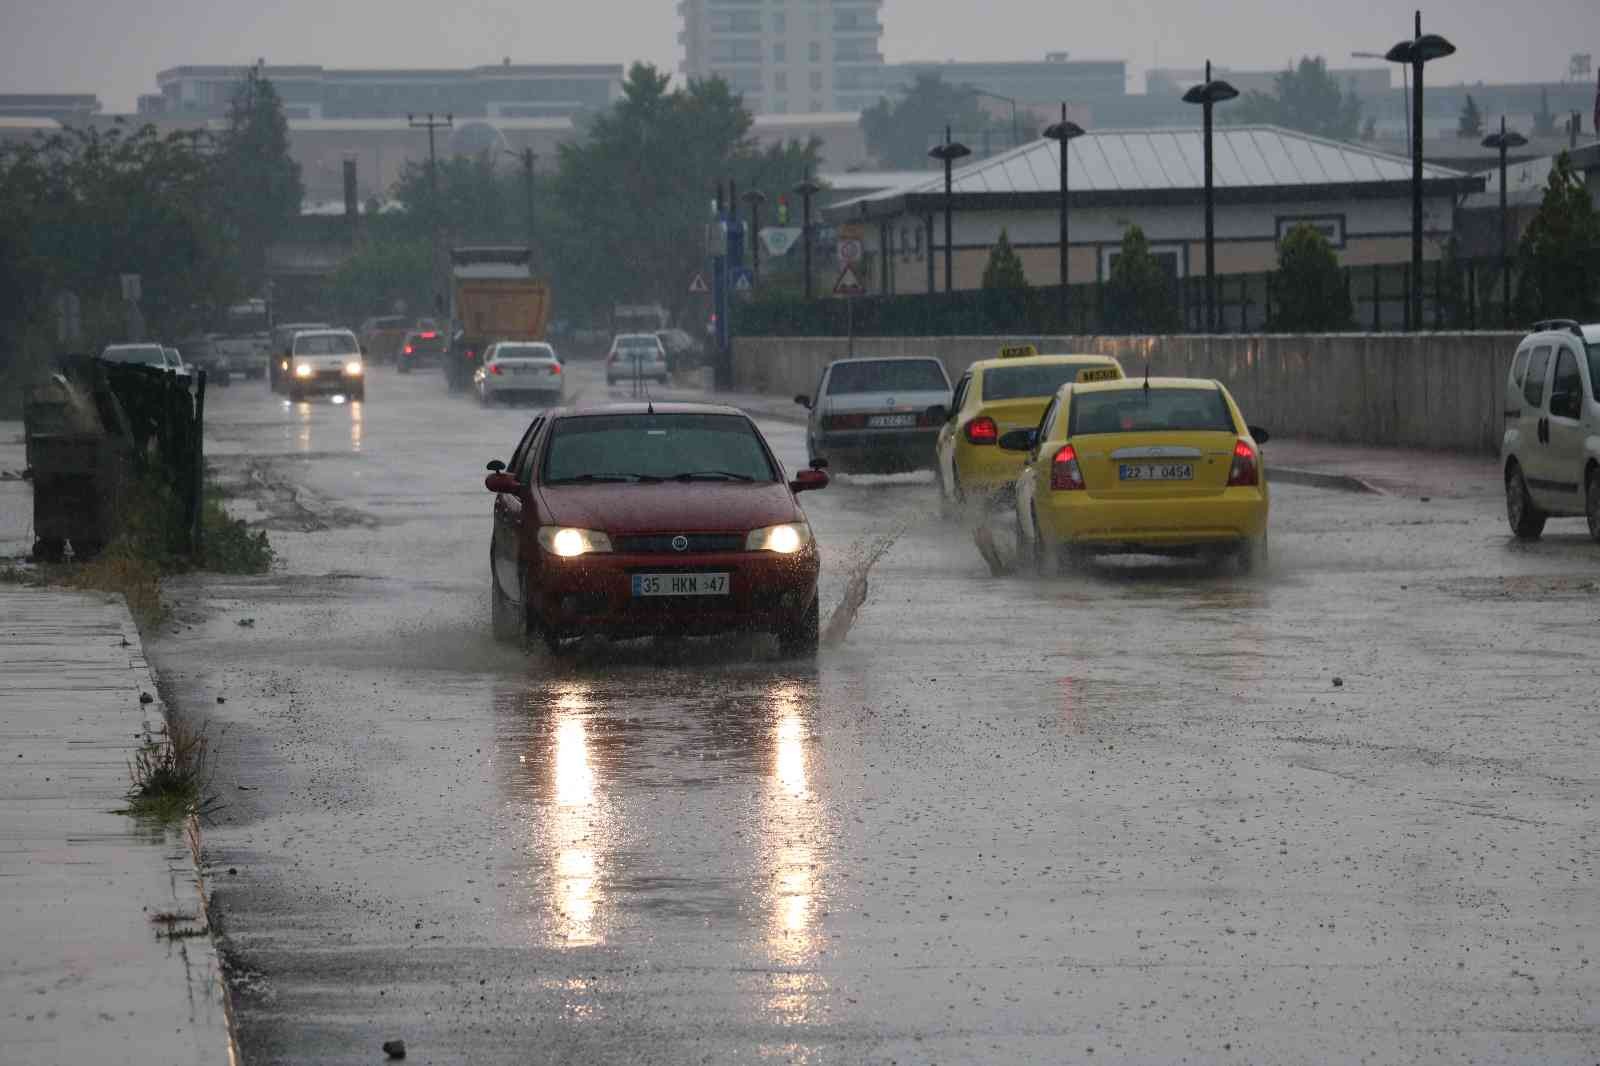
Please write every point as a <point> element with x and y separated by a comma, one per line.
<point>528,156</point>
<point>807,189</point>
<point>432,123</point>
<point>755,198</point>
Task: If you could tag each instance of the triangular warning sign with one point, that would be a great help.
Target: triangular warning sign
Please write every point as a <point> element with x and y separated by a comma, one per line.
<point>698,286</point>
<point>743,282</point>
<point>848,284</point>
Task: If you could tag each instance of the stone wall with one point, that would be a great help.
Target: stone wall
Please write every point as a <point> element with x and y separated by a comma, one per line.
<point>1419,390</point>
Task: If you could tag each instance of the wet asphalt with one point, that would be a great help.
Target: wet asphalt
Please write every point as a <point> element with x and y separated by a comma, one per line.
<point>1343,811</point>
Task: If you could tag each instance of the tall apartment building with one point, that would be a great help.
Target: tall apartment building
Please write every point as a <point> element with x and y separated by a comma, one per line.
<point>788,56</point>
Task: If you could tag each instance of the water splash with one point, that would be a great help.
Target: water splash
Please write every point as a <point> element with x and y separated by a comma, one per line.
<point>855,588</point>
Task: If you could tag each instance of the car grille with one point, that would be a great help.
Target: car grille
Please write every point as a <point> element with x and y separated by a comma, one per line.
<point>661,544</point>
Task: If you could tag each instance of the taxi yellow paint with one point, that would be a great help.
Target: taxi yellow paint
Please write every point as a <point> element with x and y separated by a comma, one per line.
<point>970,464</point>
<point>1163,470</point>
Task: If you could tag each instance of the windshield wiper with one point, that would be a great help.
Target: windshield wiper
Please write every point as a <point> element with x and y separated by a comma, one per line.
<point>711,475</point>
<point>602,478</point>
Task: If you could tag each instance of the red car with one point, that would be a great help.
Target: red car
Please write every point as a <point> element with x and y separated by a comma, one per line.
<point>640,519</point>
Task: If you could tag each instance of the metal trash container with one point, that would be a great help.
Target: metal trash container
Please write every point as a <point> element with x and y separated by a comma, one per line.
<point>79,473</point>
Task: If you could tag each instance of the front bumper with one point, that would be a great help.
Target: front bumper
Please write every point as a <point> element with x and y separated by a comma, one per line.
<point>1081,520</point>
<point>327,381</point>
<point>594,594</point>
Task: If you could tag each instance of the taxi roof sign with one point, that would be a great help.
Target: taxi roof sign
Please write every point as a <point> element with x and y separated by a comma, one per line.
<point>1018,351</point>
<point>1100,373</point>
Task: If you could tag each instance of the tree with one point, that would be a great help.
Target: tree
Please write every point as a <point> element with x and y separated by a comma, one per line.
<point>1139,296</point>
<point>260,183</point>
<point>1305,98</point>
<point>1004,270</point>
<point>1560,275</point>
<point>900,132</point>
<point>1470,125</point>
<point>1312,297</point>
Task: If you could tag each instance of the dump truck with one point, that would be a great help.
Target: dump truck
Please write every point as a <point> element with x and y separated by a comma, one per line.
<point>494,297</point>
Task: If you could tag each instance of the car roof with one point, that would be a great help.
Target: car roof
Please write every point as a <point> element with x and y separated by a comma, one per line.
<point>1047,360</point>
<point>681,408</point>
<point>130,346</point>
<point>1564,328</point>
<point>887,359</point>
<point>323,331</point>
<point>1138,384</point>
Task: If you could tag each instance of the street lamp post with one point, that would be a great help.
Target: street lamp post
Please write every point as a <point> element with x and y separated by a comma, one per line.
<point>1208,95</point>
<point>1415,53</point>
<point>947,153</point>
<point>1502,142</point>
<point>806,190</point>
<point>1063,133</point>
<point>432,123</point>
<point>755,198</point>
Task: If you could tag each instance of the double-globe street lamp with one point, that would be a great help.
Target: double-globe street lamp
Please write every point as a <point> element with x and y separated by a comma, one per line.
<point>1415,53</point>
<point>947,153</point>
<point>1208,95</point>
<point>1502,142</point>
<point>1063,133</point>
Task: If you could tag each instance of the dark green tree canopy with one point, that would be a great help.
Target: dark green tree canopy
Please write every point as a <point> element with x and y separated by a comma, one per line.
<point>1004,269</point>
<point>261,186</point>
<point>1309,287</point>
<point>1140,295</point>
<point>1559,267</point>
<point>1305,98</point>
<point>1470,124</point>
<point>900,132</point>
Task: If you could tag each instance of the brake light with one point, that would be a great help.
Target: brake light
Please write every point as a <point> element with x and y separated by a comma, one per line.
<point>429,336</point>
<point>471,354</point>
<point>1245,472</point>
<point>408,350</point>
<point>982,430</point>
<point>1064,473</point>
<point>494,368</point>
<point>556,369</point>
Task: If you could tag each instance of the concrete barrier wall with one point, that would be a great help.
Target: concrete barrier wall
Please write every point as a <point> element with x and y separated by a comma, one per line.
<point>1415,390</point>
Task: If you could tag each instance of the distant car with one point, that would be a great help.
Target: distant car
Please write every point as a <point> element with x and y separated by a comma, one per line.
<point>282,346</point>
<point>638,356</point>
<point>632,520</point>
<point>682,349</point>
<point>1150,466</point>
<point>878,414</point>
<point>421,347</point>
<point>203,353</point>
<point>1550,451</point>
<point>513,369</point>
<point>382,337</point>
<point>993,397</point>
<point>153,355</point>
<point>327,361</point>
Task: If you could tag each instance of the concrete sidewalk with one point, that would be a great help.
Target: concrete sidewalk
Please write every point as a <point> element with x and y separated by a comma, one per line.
<point>1319,464</point>
<point>84,975</point>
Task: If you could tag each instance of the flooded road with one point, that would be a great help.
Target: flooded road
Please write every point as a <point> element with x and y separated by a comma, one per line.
<point>1344,811</point>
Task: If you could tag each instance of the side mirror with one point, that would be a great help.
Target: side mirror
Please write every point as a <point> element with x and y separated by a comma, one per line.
<point>1019,440</point>
<point>807,480</point>
<point>1261,436</point>
<point>937,414</point>
<point>803,401</point>
<point>498,483</point>
<point>495,466</point>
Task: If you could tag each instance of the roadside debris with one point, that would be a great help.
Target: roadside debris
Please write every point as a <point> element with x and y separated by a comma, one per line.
<point>395,1049</point>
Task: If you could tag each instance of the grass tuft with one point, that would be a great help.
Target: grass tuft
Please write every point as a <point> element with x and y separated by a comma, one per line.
<point>171,775</point>
<point>227,544</point>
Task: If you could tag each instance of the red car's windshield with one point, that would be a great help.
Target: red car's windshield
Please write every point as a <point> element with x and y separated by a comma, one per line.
<point>656,447</point>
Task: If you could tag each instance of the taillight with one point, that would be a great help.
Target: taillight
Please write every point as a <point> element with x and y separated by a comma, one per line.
<point>471,354</point>
<point>494,368</point>
<point>409,349</point>
<point>1064,473</point>
<point>844,422</point>
<point>1245,472</point>
<point>430,336</point>
<point>556,369</point>
<point>982,430</point>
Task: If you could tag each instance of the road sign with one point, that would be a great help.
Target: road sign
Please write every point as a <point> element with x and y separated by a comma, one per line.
<point>848,284</point>
<point>779,239</point>
<point>852,231</point>
<point>698,286</point>
<point>743,280</point>
<point>850,251</point>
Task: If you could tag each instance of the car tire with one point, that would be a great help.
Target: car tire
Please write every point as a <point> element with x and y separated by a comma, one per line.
<point>1045,562</point>
<point>402,367</point>
<point>1591,502</point>
<point>295,395</point>
<point>800,638</point>
<point>49,550</point>
<point>1526,520</point>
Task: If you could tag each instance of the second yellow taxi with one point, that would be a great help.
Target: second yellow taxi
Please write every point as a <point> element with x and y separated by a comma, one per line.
<point>1158,465</point>
<point>994,397</point>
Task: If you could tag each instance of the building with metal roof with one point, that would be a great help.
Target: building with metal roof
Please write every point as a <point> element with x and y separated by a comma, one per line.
<point>1267,180</point>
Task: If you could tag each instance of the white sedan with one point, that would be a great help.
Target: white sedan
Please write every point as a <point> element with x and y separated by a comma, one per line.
<point>513,369</point>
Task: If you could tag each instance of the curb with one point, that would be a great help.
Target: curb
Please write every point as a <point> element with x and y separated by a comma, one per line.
<point>1316,479</point>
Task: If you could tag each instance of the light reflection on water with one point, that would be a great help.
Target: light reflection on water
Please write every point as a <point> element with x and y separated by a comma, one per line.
<point>572,824</point>
<point>795,856</point>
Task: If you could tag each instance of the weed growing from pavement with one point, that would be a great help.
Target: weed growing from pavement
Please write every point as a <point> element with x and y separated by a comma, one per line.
<point>171,774</point>
<point>227,544</point>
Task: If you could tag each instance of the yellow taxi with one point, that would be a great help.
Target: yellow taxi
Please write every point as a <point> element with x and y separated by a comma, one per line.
<point>994,397</point>
<point>1158,465</point>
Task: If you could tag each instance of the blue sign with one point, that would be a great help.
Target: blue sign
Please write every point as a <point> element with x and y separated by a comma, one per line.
<point>741,279</point>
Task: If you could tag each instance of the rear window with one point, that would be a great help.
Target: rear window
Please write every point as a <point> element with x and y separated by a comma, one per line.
<point>524,351</point>
<point>889,375</point>
<point>143,355</point>
<point>1027,382</point>
<point>1150,411</point>
<point>635,447</point>
<point>326,344</point>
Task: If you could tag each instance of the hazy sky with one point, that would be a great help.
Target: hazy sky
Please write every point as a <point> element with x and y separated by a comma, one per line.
<point>114,48</point>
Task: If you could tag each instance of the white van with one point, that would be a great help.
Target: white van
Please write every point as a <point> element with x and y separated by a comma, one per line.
<point>1549,452</point>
